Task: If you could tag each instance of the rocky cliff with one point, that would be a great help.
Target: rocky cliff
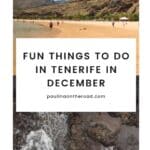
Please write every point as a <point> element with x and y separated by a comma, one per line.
<point>84,10</point>
<point>22,4</point>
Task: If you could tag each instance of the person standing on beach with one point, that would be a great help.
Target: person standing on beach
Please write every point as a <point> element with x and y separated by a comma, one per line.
<point>113,23</point>
<point>51,25</point>
<point>57,23</point>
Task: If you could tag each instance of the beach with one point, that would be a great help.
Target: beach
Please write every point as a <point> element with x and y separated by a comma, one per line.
<point>76,29</point>
<point>84,29</point>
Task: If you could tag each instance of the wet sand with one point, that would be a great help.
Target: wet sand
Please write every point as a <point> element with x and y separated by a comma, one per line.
<point>79,29</point>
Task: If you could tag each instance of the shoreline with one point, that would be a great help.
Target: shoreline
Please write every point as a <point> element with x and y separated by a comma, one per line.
<point>133,24</point>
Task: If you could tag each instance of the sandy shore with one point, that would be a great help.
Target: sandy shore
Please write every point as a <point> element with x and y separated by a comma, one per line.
<point>89,29</point>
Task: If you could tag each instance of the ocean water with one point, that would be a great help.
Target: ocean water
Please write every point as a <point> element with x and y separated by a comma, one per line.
<point>26,29</point>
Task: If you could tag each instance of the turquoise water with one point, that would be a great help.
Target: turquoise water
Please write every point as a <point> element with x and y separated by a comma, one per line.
<point>24,29</point>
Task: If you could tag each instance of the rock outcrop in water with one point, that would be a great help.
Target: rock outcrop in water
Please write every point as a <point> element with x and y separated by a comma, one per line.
<point>38,130</point>
<point>38,140</point>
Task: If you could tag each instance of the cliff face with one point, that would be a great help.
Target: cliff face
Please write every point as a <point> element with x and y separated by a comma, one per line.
<point>22,4</point>
<point>82,9</point>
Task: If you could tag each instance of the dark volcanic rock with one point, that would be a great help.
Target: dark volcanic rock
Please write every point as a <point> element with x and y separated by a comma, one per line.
<point>93,130</point>
<point>23,124</point>
<point>86,131</point>
<point>104,129</point>
<point>127,118</point>
<point>128,138</point>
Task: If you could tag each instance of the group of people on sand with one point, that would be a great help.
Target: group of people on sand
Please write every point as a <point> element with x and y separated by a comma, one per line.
<point>51,24</point>
<point>123,22</point>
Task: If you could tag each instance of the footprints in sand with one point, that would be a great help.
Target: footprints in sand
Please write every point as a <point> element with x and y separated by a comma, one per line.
<point>83,29</point>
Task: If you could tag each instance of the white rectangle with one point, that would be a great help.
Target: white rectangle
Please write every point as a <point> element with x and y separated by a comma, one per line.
<point>118,93</point>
